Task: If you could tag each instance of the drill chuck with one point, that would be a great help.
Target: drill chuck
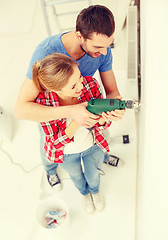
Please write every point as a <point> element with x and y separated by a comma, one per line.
<point>129,104</point>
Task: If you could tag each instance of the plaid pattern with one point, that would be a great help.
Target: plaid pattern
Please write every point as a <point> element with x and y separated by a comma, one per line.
<point>55,130</point>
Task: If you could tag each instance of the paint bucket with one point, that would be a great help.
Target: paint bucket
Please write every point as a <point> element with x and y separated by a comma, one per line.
<point>49,205</point>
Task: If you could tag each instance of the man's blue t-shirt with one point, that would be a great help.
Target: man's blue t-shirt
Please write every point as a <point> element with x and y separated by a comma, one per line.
<point>87,65</point>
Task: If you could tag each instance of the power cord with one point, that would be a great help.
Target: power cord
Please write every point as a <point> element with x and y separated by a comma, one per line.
<point>93,137</point>
<point>17,164</point>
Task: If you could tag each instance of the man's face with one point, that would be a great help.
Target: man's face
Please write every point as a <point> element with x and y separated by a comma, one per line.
<point>97,45</point>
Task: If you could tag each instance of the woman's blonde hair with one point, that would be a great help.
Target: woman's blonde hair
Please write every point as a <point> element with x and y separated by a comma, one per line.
<point>53,72</point>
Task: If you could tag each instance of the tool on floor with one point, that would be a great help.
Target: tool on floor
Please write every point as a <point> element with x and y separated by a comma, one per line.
<point>113,160</point>
<point>97,106</point>
<point>54,218</point>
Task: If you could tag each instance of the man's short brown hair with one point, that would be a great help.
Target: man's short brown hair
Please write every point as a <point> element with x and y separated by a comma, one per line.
<point>95,19</point>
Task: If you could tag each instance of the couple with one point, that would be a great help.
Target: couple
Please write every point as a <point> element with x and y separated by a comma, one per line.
<point>67,90</point>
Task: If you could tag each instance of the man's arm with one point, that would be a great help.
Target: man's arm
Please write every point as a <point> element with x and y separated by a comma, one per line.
<point>109,83</point>
<point>27,109</point>
<point>110,86</point>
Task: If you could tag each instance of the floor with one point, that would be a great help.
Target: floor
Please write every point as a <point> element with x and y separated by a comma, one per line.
<point>22,180</point>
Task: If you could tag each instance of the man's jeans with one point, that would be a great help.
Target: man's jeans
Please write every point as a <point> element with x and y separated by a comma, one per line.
<point>48,165</point>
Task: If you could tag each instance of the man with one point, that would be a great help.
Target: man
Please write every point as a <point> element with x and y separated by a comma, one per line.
<point>89,45</point>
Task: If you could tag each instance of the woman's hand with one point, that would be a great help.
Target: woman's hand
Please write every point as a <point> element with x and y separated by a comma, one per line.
<point>81,115</point>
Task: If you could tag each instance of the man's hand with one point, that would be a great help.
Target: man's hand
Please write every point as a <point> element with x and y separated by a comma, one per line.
<point>81,115</point>
<point>111,116</point>
<point>116,114</point>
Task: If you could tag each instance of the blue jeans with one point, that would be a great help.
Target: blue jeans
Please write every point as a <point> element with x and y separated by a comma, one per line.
<point>49,166</point>
<point>89,180</point>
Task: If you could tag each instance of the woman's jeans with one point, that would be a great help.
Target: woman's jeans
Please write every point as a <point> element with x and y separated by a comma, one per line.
<point>88,180</point>
<point>51,167</point>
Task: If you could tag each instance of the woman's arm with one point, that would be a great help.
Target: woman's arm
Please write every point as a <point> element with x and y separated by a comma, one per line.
<point>71,129</point>
<point>57,134</point>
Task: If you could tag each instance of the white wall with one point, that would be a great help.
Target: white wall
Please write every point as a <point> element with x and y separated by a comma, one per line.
<point>152,188</point>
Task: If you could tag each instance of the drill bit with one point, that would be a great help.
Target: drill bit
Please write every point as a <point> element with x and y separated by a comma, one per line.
<point>130,104</point>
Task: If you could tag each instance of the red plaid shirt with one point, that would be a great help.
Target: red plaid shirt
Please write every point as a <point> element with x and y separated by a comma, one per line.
<point>55,130</point>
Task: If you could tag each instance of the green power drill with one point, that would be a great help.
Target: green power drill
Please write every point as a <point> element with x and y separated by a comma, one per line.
<point>97,106</point>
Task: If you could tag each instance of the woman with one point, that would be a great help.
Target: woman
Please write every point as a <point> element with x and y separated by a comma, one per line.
<point>67,142</point>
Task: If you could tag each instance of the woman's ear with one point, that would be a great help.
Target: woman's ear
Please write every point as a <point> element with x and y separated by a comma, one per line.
<point>79,36</point>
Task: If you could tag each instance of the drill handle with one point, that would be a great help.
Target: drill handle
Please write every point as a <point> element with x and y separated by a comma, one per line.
<point>97,106</point>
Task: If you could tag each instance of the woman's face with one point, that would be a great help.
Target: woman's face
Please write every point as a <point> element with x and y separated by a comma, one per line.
<point>74,86</point>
